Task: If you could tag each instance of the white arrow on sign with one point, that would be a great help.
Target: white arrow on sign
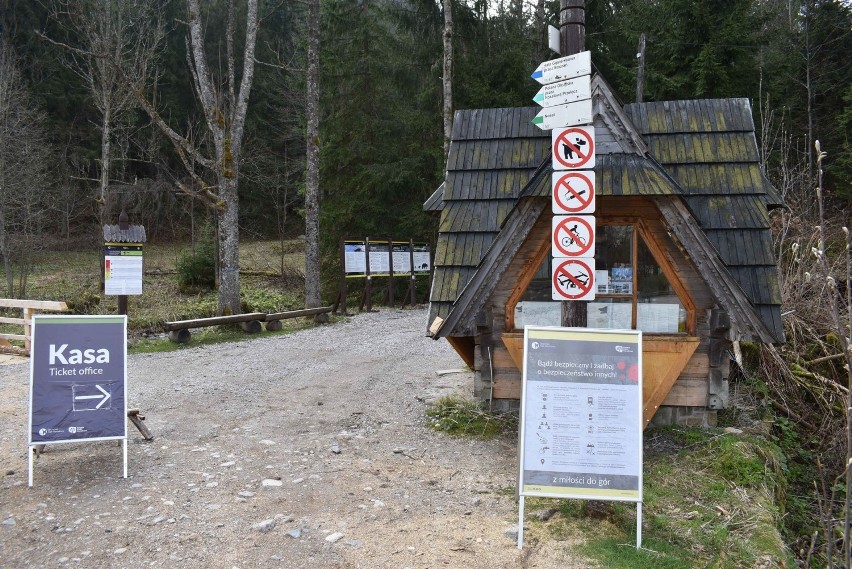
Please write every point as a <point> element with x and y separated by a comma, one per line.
<point>104,398</point>
<point>564,68</point>
<point>566,91</point>
<point>570,114</point>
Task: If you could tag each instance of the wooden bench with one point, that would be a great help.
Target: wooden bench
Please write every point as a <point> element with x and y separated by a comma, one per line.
<point>251,323</point>
<point>29,308</point>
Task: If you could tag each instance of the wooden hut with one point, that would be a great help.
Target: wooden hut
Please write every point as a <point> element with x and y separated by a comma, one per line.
<point>684,250</point>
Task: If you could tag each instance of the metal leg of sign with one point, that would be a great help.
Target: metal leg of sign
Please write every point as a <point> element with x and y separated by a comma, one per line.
<point>521,522</point>
<point>638,525</point>
<point>31,453</point>
<point>125,457</point>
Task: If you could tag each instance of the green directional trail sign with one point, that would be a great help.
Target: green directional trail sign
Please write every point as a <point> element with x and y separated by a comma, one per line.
<point>564,92</point>
<point>570,114</point>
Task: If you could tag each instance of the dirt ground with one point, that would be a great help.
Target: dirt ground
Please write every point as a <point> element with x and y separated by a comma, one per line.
<point>304,450</point>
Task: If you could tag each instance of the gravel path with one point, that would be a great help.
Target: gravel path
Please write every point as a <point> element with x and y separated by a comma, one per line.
<point>301,450</point>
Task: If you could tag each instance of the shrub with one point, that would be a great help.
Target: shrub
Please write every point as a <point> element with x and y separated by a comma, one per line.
<point>196,270</point>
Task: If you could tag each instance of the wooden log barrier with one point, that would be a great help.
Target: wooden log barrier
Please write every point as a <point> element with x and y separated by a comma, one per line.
<point>273,321</point>
<point>179,330</point>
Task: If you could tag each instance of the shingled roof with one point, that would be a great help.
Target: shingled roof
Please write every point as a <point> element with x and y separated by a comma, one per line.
<point>703,150</point>
<point>709,148</point>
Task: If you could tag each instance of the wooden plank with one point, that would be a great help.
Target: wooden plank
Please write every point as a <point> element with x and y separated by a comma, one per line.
<point>501,359</point>
<point>298,313</point>
<point>17,321</point>
<point>663,360</point>
<point>215,321</point>
<point>36,304</point>
<point>514,342</point>
<point>698,365</point>
<point>13,337</point>
<point>506,386</point>
<point>687,392</point>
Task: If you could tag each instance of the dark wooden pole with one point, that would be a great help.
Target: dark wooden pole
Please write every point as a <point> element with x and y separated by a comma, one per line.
<point>124,225</point>
<point>572,39</point>
<point>572,26</point>
<point>640,72</point>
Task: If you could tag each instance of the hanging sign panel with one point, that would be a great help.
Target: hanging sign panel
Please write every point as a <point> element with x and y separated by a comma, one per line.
<point>573,236</point>
<point>581,414</point>
<point>573,148</point>
<point>569,114</point>
<point>78,379</point>
<point>573,192</point>
<point>564,68</point>
<point>564,92</point>
<point>573,279</point>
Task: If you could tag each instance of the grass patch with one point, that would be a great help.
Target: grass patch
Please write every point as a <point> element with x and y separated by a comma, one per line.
<point>465,418</point>
<point>711,499</point>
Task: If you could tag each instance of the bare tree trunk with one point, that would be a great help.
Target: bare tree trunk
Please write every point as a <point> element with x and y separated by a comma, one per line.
<point>312,260</point>
<point>106,129</point>
<point>448,75</point>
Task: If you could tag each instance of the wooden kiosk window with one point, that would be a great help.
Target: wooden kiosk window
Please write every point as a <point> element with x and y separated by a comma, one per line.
<point>635,287</point>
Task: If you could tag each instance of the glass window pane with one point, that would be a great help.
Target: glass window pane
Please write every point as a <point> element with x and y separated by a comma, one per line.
<point>614,259</point>
<point>536,307</point>
<point>610,313</point>
<point>659,309</point>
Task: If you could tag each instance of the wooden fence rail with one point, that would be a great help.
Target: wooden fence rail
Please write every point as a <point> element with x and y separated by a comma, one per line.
<point>251,323</point>
<point>29,308</point>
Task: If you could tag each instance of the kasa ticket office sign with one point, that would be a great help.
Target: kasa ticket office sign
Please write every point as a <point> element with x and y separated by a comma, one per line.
<point>581,414</point>
<point>78,379</point>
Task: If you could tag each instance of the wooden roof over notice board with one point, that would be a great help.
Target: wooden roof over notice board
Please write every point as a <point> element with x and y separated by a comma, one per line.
<point>702,151</point>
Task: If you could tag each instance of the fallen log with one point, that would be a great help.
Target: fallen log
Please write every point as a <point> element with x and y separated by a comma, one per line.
<point>273,321</point>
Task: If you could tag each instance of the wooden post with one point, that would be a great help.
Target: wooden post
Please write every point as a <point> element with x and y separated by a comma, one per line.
<point>640,72</point>
<point>572,26</point>
<point>124,225</point>
<point>572,39</point>
<point>342,290</point>
<point>411,293</point>
<point>28,327</point>
<point>390,273</point>
<point>368,286</point>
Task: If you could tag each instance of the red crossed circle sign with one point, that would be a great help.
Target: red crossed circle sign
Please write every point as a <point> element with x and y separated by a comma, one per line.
<point>573,236</point>
<point>573,192</point>
<point>574,279</point>
<point>574,148</point>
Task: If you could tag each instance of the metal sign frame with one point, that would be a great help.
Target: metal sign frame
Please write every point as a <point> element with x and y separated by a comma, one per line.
<point>581,417</point>
<point>78,381</point>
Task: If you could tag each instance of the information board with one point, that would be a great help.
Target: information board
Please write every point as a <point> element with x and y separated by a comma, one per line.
<point>78,379</point>
<point>383,256</point>
<point>581,414</point>
<point>123,268</point>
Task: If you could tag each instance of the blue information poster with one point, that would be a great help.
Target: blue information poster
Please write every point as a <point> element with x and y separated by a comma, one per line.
<point>78,379</point>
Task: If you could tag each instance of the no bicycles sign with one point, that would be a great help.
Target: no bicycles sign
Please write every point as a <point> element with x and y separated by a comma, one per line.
<point>573,236</point>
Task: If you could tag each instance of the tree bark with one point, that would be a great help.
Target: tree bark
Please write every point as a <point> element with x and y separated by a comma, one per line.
<point>448,75</point>
<point>312,258</point>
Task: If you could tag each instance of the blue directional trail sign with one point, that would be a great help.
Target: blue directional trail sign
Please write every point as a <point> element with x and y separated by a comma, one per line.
<point>78,379</point>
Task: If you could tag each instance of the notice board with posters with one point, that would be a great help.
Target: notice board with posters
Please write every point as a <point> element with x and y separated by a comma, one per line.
<point>78,381</point>
<point>581,414</point>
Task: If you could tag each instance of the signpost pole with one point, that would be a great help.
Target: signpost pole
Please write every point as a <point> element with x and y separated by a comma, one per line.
<point>390,273</point>
<point>572,36</point>
<point>342,289</point>
<point>521,522</point>
<point>411,294</point>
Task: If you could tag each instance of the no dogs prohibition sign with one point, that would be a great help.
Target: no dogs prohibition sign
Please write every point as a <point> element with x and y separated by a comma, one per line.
<point>573,192</point>
<point>573,236</point>
<point>573,147</point>
<point>574,279</point>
